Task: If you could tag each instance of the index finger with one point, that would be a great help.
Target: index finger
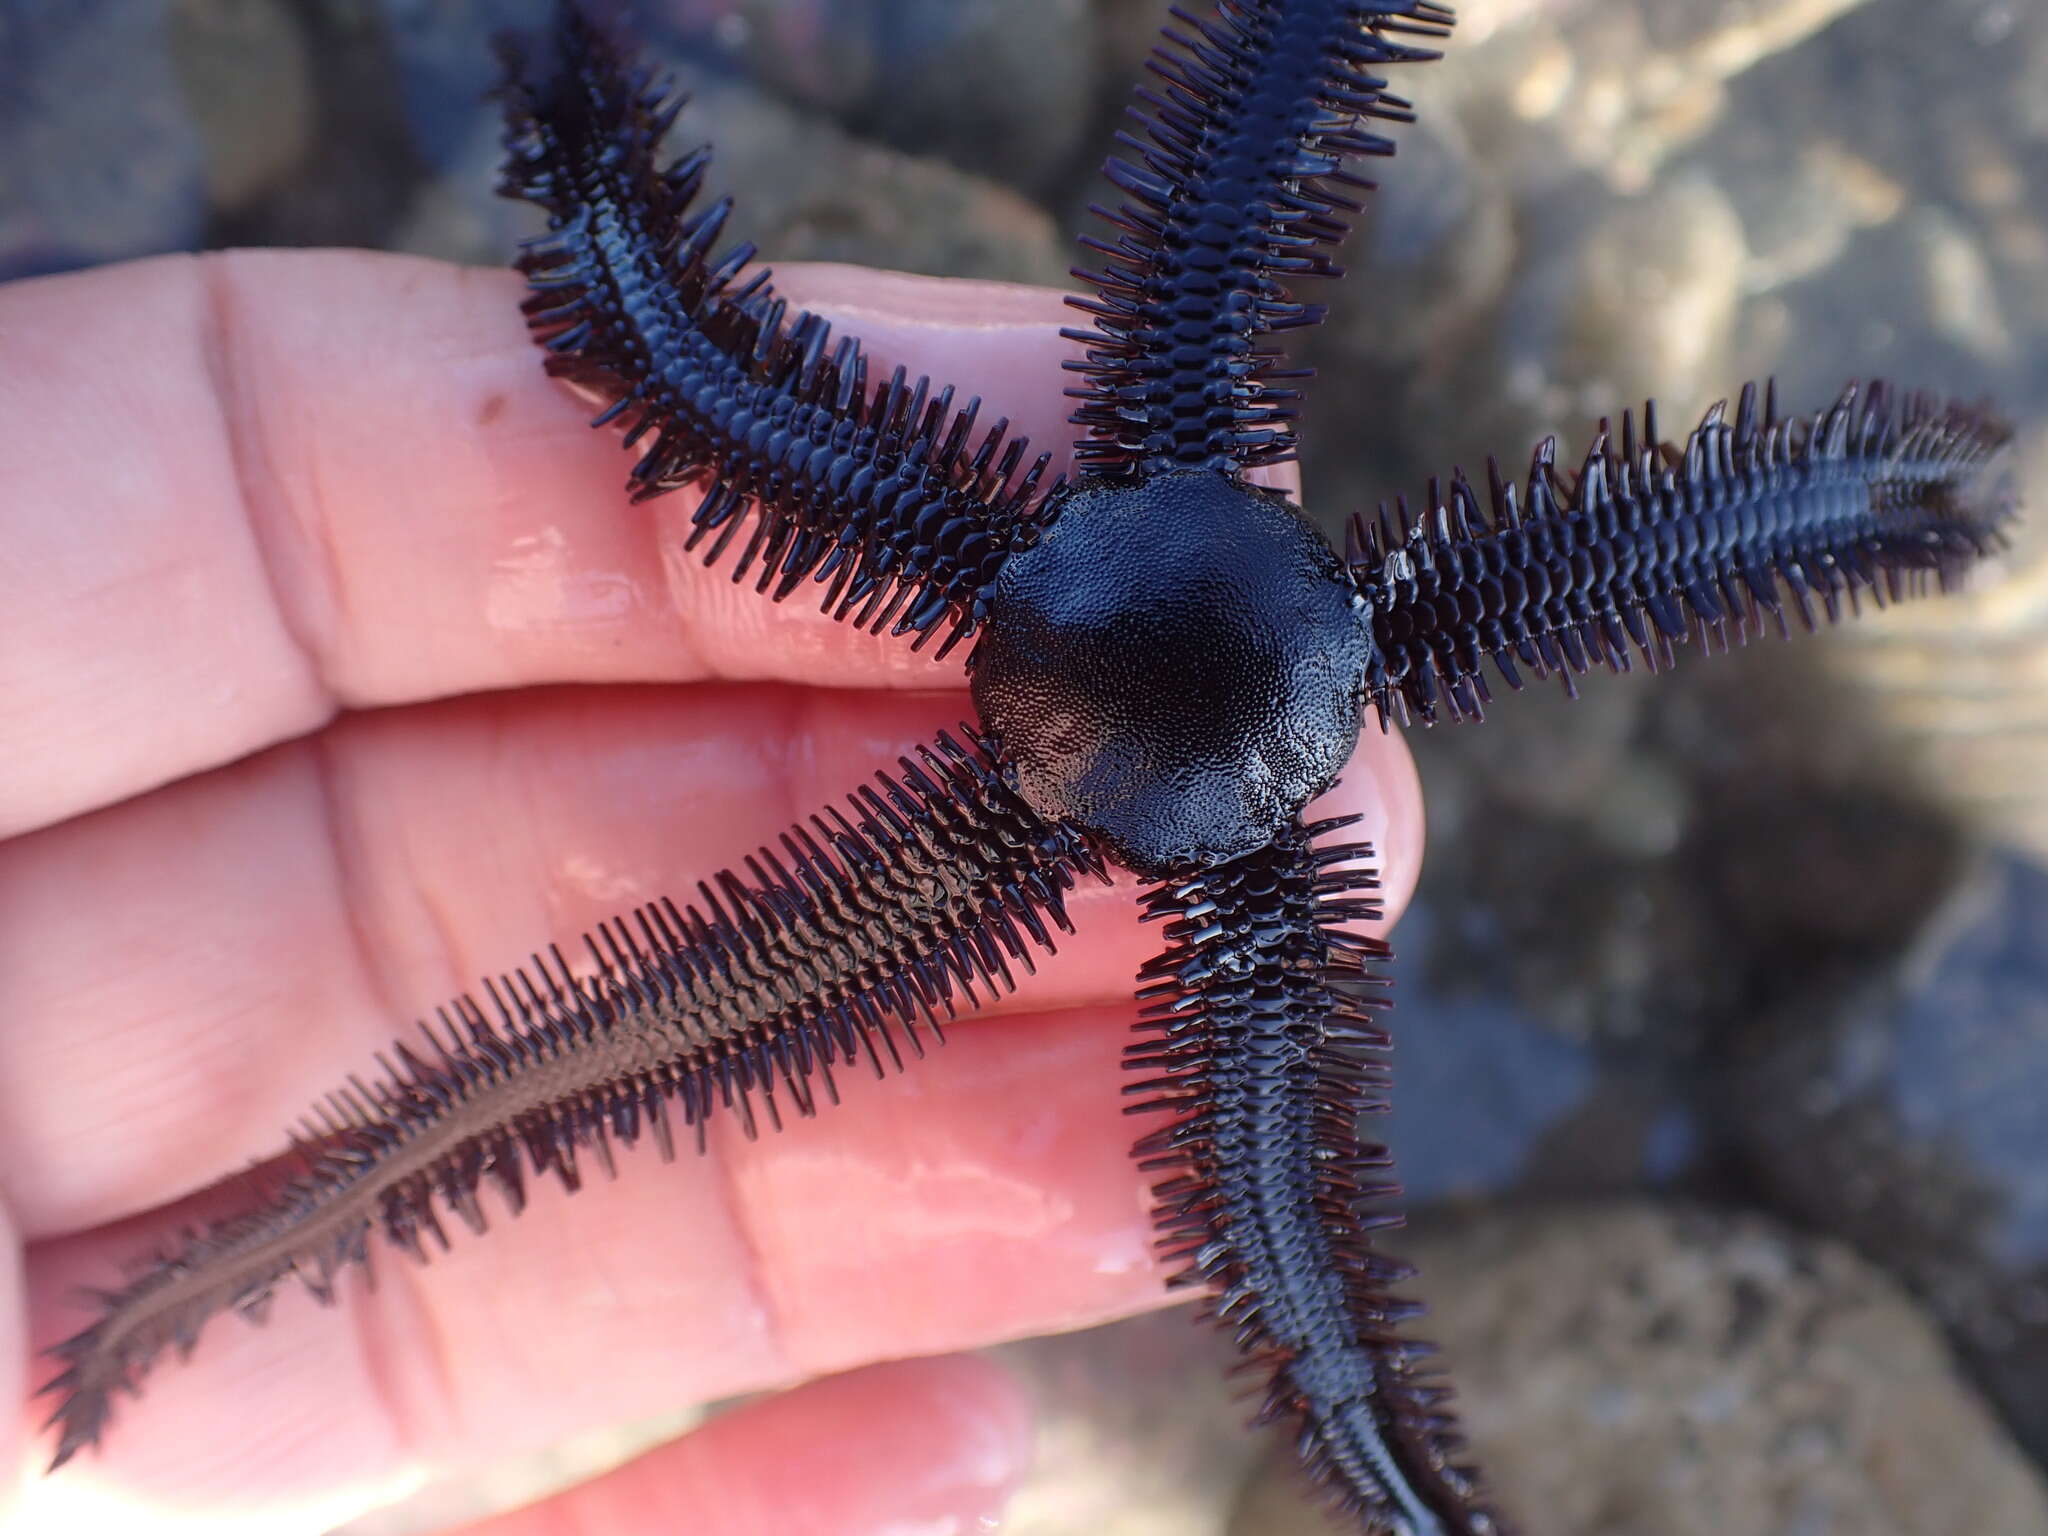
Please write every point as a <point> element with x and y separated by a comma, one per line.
<point>246,491</point>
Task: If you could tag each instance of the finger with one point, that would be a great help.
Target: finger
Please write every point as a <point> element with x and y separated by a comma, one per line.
<point>245,490</point>
<point>927,1445</point>
<point>182,975</point>
<point>987,1194</point>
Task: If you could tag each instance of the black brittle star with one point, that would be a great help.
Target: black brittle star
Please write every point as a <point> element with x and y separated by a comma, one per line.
<point>1169,663</point>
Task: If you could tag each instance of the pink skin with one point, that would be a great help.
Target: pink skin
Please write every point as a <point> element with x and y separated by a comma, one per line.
<point>290,545</point>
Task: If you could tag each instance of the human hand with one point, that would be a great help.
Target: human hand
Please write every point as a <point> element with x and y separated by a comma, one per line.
<point>322,617</point>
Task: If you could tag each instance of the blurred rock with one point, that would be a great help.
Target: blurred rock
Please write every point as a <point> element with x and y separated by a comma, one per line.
<point>1962,685</point>
<point>1613,300</point>
<point>1940,278</point>
<point>1632,1371</point>
<point>1478,1085</point>
<point>248,80</point>
<point>446,65</point>
<point>806,192</point>
<point>1801,209</point>
<point>1129,29</point>
<point>1556,863</point>
<point>1905,1115</point>
<point>99,160</point>
<point>994,88</point>
<point>1652,290</point>
<point>1140,1431</point>
<point>1492,1100</point>
<point>358,165</point>
<point>476,1492</point>
<point>1616,883</point>
<point>1649,80</point>
<point>1439,245</point>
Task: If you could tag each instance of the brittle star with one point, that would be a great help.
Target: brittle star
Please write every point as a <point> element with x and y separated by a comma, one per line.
<point>1169,663</point>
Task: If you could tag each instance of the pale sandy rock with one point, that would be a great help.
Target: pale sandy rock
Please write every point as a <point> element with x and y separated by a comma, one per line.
<point>1636,1371</point>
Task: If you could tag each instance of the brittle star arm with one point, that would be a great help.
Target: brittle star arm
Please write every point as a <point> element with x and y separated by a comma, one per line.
<point>882,494</point>
<point>868,925</point>
<point>1260,1039</point>
<point>1239,187</point>
<point>1650,542</point>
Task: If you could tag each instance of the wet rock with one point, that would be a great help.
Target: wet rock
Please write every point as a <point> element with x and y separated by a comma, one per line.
<point>1956,287</point>
<point>1492,1099</point>
<point>1807,840</point>
<point>858,202</point>
<point>1479,1084</point>
<point>1129,29</point>
<point>1904,1115</point>
<point>987,87</point>
<point>1695,194</point>
<point>99,159</point>
<point>1554,304</point>
<point>1636,1371</point>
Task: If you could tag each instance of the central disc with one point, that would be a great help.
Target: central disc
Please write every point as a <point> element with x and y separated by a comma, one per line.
<point>1177,666</point>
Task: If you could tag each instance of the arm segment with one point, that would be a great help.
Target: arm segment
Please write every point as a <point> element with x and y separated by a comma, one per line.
<point>1649,542</point>
<point>1239,188</point>
<point>1260,1040</point>
<point>868,925</point>
<point>885,495</point>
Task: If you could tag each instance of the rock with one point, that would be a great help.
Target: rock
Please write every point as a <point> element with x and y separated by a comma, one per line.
<point>1492,1099</point>
<point>476,1492</point>
<point>254,137</point>
<point>356,164</point>
<point>990,87</point>
<point>1439,244</point>
<point>99,159</point>
<point>1140,1432</point>
<point>1800,210</point>
<point>806,192</point>
<point>445,66</point>
<point>1962,685</point>
<point>1638,1371</point>
<point>1945,264</point>
<point>1654,79</point>
<point>1559,861</point>
<point>1638,302</point>
<point>1904,1115</point>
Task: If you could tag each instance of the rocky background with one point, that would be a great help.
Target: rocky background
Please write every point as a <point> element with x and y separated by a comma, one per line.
<point>1724,1003</point>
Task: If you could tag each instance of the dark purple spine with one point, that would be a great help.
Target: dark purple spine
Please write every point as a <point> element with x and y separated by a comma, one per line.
<point>1237,188</point>
<point>1650,543</point>
<point>893,499</point>
<point>867,925</point>
<point>1260,1039</point>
